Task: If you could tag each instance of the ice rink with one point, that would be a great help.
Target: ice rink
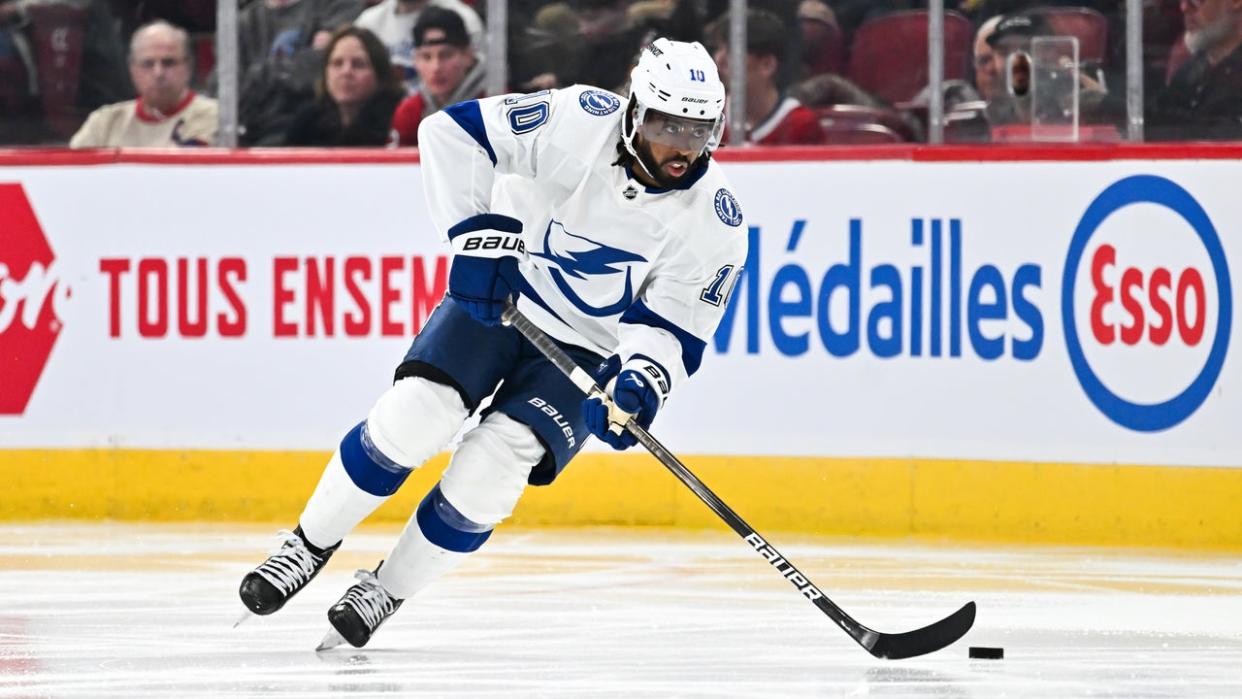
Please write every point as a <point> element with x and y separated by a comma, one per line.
<point>115,610</point>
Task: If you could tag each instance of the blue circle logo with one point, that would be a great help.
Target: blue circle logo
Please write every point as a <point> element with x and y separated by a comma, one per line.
<point>598,102</point>
<point>727,208</point>
<point>1151,417</point>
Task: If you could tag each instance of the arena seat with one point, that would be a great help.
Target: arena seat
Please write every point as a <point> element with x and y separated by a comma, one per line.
<point>823,47</point>
<point>1089,26</point>
<point>841,117</point>
<point>860,134</point>
<point>204,48</point>
<point>57,33</point>
<point>888,56</point>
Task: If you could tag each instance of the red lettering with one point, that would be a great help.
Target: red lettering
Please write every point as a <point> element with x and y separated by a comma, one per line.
<point>1106,256</point>
<point>234,267</point>
<point>1132,279</point>
<point>1160,279</point>
<point>320,296</point>
<point>1189,307</point>
<point>424,299</point>
<point>389,295</point>
<point>148,269</point>
<point>357,269</point>
<point>185,326</point>
<point>282,296</point>
<point>114,268</point>
<point>1191,281</point>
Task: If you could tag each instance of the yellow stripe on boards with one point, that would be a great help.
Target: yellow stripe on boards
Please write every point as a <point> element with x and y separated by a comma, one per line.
<point>969,501</point>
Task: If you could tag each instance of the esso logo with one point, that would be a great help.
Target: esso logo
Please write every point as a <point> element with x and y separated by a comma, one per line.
<point>1146,303</point>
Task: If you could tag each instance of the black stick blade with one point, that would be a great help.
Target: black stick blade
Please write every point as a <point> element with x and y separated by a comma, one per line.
<point>929,639</point>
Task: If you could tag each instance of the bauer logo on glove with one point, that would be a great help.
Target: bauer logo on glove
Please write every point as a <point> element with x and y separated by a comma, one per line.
<point>484,274</point>
<point>629,395</point>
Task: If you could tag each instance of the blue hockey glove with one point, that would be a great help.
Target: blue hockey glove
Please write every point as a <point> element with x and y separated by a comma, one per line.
<point>485,270</point>
<point>482,285</point>
<point>639,390</point>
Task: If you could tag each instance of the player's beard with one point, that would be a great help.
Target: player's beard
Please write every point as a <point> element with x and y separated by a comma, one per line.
<point>656,170</point>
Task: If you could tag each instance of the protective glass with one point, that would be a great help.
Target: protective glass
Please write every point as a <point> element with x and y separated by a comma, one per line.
<point>677,132</point>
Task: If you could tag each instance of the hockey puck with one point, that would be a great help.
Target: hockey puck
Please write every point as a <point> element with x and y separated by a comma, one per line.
<point>984,653</point>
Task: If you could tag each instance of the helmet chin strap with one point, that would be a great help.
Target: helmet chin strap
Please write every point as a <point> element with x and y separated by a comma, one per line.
<point>641,160</point>
<point>629,131</point>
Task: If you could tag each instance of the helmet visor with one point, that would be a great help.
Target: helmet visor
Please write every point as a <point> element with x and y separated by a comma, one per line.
<point>681,133</point>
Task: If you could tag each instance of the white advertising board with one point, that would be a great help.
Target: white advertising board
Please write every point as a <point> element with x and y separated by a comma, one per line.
<point>1039,311</point>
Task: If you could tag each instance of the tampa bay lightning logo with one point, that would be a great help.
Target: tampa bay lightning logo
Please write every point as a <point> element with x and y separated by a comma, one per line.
<point>595,261</point>
<point>598,102</point>
<point>727,208</point>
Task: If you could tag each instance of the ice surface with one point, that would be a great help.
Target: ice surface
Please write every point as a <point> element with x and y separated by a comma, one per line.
<point>112,610</point>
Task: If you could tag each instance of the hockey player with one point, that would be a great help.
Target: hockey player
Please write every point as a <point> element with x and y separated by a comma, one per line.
<point>616,234</point>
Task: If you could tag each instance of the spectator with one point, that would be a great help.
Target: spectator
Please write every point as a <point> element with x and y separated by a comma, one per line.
<point>1203,100</point>
<point>1010,102</point>
<point>59,61</point>
<point>584,41</point>
<point>823,48</point>
<point>965,104</point>
<point>284,27</point>
<point>20,115</point>
<point>166,112</point>
<point>393,22</point>
<point>772,116</point>
<point>988,63</point>
<point>448,71</point>
<point>355,95</point>
<point>280,53</point>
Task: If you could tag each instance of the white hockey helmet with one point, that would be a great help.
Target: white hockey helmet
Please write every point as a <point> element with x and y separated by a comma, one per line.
<point>679,81</point>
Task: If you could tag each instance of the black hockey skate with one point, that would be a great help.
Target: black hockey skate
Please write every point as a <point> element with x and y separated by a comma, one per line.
<point>265,589</point>
<point>360,612</point>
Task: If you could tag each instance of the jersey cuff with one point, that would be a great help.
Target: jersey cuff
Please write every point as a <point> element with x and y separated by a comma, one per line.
<point>486,222</point>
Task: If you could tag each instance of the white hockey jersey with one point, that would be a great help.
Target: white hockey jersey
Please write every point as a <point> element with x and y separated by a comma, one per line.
<point>610,265</point>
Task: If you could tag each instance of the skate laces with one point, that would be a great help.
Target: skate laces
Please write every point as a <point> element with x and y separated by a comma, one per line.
<point>369,599</point>
<point>290,567</point>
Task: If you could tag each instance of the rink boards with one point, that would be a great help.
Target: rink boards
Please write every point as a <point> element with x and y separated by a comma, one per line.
<point>1015,345</point>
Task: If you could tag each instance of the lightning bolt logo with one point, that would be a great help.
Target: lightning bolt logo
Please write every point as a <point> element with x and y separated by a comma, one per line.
<point>582,265</point>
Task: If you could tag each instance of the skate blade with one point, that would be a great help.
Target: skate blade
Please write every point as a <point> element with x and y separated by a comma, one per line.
<point>331,640</point>
<point>246,615</point>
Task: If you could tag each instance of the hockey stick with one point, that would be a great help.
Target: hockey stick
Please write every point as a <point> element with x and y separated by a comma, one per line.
<point>882,645</point>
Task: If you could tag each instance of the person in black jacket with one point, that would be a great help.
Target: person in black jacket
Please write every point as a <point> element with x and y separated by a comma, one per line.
<point>1203,100</point>
<point>355,95</point>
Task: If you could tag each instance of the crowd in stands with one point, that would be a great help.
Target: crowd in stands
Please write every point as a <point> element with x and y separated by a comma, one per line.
<point>96,73</point>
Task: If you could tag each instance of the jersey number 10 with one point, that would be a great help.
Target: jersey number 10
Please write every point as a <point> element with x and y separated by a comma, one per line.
<point>697,76</point>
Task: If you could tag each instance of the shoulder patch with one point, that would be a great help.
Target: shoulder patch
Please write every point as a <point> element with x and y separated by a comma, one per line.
<point>598,102</point>
<point>727,208</point>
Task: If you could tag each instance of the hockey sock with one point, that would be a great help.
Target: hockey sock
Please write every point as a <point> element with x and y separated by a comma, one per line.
<point>359,478</point>
<point>435,540</point>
